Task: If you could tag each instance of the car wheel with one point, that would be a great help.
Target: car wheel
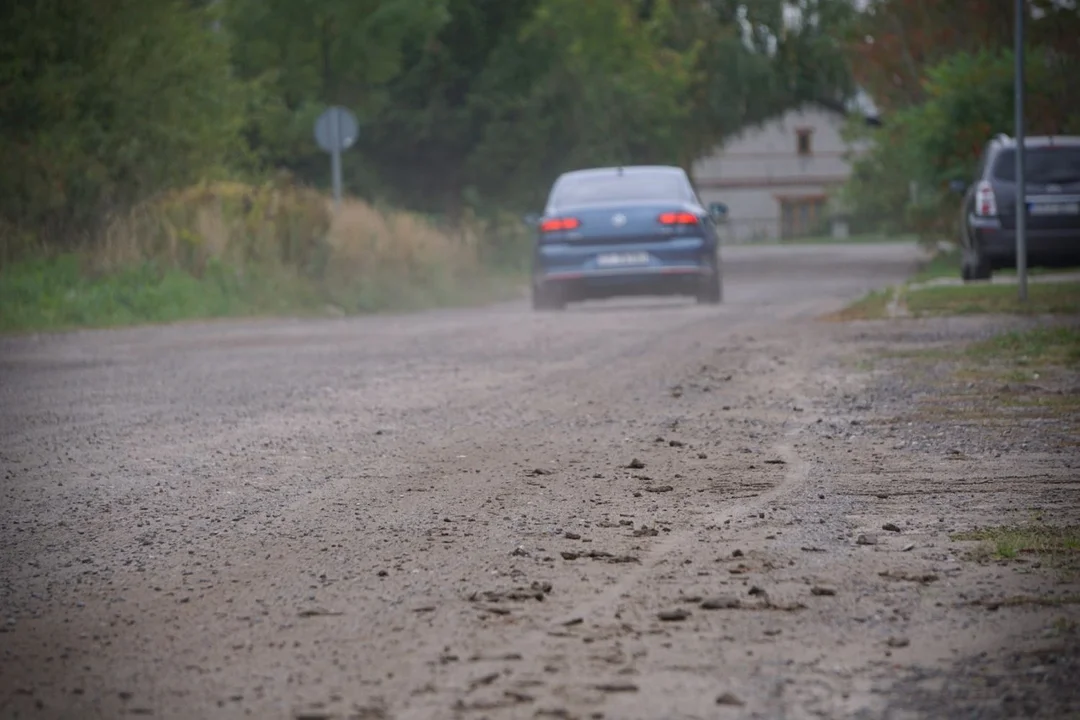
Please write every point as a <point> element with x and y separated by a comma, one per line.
<point>546,297</point>
<point>712,290</point>
<point>976,268</point>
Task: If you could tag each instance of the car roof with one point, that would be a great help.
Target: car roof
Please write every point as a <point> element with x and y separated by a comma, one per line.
<point>625,170</point>
<point>1040,141</point>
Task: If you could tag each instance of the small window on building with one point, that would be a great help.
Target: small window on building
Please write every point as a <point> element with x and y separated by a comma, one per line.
<point>803,144</point>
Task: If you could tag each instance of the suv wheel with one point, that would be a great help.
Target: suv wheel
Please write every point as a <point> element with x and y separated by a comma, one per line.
<point>975,268</point>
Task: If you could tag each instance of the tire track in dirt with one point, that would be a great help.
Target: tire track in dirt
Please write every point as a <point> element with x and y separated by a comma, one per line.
<point>544,641</point>
<point>230,536</point>
<point>795,474</point>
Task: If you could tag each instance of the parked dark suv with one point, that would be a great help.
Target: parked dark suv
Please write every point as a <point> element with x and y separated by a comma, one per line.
<point>988,215</point>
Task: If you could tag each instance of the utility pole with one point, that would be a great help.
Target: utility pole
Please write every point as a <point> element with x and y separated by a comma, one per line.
<point>1021,184</point>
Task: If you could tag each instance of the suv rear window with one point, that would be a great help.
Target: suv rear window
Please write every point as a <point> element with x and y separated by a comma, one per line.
<point>1043,165</point>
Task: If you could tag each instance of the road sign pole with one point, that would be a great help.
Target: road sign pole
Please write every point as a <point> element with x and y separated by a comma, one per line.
<point>335,169</point>
<point>335,132</point>
<point>335,161</point>
<point>1021,184</point>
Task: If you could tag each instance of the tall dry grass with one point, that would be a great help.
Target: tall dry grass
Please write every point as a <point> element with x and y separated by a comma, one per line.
<point>365,241</point>
<point>232,223</point>
<point>361,256</point>
<point>230,249</point>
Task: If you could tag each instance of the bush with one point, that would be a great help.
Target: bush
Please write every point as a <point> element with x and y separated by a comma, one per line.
<point>221,249</point>
<point>105,104</point>
<point>233,223</point>
<point>969,99</point>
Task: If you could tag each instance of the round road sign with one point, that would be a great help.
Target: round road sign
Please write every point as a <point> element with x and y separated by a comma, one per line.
<point>336,129</point>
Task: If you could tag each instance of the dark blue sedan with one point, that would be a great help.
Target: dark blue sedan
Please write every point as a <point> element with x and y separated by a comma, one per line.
<point>612,232</point>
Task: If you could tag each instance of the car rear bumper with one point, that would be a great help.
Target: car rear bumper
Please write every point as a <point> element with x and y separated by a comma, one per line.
<point>998,243</point>
<point>598,284</point>
<point>597,270</point>
<point>623,275</point>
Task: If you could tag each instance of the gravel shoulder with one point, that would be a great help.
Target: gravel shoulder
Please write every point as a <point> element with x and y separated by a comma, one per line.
<point>627,511</point>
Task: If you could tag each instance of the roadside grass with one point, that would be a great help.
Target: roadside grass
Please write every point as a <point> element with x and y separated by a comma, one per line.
<point>1013,355</point>
<point>1059,546</point>
<point>57,294</point>
<point>1050,298</point>
<point>966,410</point>
<point>1039,347</point>
<point>875,304</point>
<point>943,264</point>
<point>1013,382</point>
<point>946,264</point>
<point>914,299</point>
<point>233,250</point>
<point>1062,298</point>
<point>1009,379</point>
<point>872,306</point>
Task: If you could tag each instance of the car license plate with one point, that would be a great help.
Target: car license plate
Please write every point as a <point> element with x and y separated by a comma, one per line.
<point>1065,208</point>
<point>622,259</point>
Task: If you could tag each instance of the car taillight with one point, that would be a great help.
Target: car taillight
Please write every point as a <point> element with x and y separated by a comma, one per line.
<point>985,200</point>
<point>678,218</point>
<point>559,224</point>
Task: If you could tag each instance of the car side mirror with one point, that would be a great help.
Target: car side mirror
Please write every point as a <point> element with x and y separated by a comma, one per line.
<point>531,220</point>
<point>718,211</point>
<point>958,186</point>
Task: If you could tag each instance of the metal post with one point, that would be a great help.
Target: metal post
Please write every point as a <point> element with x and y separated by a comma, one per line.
<point>335,168</point>
<point>335,161</point>
<point>335,132</point>
<point>1021,184</point>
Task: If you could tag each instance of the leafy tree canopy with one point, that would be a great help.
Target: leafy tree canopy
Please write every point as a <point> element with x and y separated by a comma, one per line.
<point>944,74</point>
<point>104,102</point>
<point>462,102</point>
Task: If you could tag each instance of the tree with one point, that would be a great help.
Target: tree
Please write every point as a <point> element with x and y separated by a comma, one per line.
<point>484,101</point>
<point>946,92</point>
<point>105,103</point>
<point>451,86</point>
<point>969,97</point>
<point>461,102</point>
<point>894,42</point>
<point>301,57</point>
<point>561,84</point>
<point>606,92</point>
<point>757,60</point>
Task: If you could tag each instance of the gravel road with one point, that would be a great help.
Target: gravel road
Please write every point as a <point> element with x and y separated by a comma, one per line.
<point>487,513</point>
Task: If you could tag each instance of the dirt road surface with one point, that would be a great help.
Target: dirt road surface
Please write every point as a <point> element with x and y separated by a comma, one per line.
<point>628,510</point>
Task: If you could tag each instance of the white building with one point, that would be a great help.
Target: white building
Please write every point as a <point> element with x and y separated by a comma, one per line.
<point>777,179</point>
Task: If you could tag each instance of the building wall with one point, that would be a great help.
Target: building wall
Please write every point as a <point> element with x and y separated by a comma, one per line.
<point>759,171</point>
<point>755,213</point>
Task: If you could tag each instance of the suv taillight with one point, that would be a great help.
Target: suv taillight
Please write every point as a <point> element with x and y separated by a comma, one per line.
<point>985,200</point>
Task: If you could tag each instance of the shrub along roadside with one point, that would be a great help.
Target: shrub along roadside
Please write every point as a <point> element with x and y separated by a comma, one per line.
<point>229,249</point>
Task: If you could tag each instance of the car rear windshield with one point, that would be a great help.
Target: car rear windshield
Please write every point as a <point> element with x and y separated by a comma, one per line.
<point>615,188</point>
<point>1042,165</point>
